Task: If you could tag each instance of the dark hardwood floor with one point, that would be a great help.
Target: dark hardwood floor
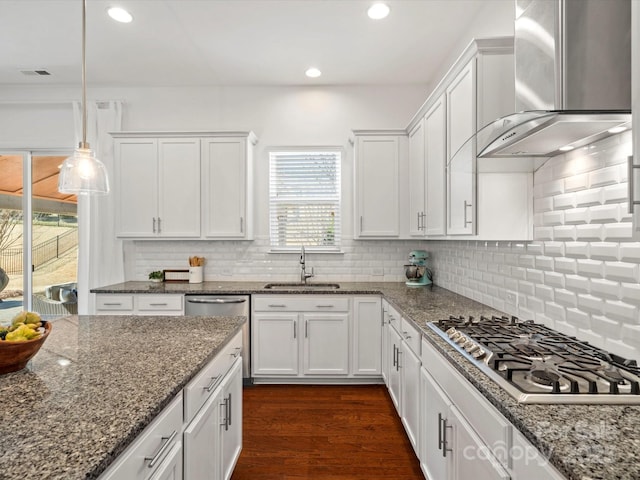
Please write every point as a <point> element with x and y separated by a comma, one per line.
<point>323,432</point>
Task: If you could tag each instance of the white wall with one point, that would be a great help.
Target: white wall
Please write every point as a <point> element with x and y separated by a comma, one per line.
<point>581,275</point>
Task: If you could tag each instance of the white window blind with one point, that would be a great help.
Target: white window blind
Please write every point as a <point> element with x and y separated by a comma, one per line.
<point>304,199</point>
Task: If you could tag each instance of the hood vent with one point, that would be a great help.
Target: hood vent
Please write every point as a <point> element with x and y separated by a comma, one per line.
<point>573,78</point>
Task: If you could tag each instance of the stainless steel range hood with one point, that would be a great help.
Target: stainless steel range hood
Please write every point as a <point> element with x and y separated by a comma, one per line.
<point>573,78</point>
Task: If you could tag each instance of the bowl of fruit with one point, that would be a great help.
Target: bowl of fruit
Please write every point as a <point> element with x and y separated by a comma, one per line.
<point>21,340</point>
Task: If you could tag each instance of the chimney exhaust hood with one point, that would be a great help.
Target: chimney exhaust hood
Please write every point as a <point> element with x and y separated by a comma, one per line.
<point>573,78</point>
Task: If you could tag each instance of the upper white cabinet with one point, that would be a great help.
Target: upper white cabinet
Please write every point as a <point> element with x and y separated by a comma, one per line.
<point>377,183</point>
<point>158,187</point>
<point>635,108</point>
<point>417,184</point>
<point>184,185</point>
<point>226,187</point>
<point>434,223</point>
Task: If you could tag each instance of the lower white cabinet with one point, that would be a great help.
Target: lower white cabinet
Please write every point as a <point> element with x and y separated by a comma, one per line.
<point>315,336</point>
<point>410,396</point>
<point>394,343</point>
<point>171,467</point>
<point>139,304</point>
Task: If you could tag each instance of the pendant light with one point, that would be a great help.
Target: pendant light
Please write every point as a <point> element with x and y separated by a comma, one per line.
<point>82,173</point>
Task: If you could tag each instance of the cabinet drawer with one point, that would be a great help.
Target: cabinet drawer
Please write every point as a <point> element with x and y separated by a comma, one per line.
<point>394,318</point>
<point>301,303</point>
<point>155,442</point>
<point>201,387</point>
<point>411,335</point>
<point>168,303</point>
<point>488,423</point>
<point>114,302</point>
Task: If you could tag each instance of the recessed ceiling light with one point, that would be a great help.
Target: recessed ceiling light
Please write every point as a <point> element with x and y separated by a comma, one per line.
<point>566,148</point>
<point>617,129</point>
<point>120,15</point>
<point>313,72</point>
<point>378,11</point>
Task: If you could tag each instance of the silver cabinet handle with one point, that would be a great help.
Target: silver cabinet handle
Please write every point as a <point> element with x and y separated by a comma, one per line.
<point>418,213</point>
<point>112,304</point>
<point>406,335</point>
<point>217,300</point>
<point>159,229</point>
<point>394,355</point>
<point>306,328</point>
<point>440,441</point>
<point>236,353</point>
<point>444,438</point>
<point>158,304</point>
<point>325,306</point>
<point>467,205</point>
<point>398,366</point>
<point>241,225</point>
<point>294,330</point>
<point>165,444</point>
<point>630,183</point>
<point>273,305</point>
<point>225,406</point>
<point>229,418</point>
<point>154,224</point>
<point>360,223</point>
<point>212,384</point>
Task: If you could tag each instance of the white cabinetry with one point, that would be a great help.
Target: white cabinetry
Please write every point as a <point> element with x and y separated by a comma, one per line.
<point>226,189</point>
<point>366,358</point>
<point>139,304</point>
<point>377,183</point>
<point>300,335</point>
<point>435,167</point>
<point>417,176</point>
<point>169,185</point>
<point>409,363</point>
<point>213,415</point>
<point>157,187</point>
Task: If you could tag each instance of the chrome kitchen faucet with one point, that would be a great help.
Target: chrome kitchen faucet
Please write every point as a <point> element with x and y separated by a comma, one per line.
<point>303,274</point>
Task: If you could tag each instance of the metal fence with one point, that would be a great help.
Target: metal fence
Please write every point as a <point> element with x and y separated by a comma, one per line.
<point>11,258</point>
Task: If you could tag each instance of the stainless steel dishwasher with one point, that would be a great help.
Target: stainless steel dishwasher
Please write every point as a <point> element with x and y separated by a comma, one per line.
<point>224,306</point>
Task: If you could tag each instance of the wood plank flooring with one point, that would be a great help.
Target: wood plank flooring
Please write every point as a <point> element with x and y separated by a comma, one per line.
<point>323,433</point>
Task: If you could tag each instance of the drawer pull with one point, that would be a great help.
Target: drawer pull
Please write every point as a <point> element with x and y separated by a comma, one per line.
<point>158,304</point>
<point>212,384</point>
<point>273,305</point>
<point>236,353</point>
<point>325,306</point>
<point>406,335</point>
<point>112,304</point>
<point>166,442</point>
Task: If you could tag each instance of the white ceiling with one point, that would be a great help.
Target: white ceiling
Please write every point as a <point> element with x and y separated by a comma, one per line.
<point>242,42</point>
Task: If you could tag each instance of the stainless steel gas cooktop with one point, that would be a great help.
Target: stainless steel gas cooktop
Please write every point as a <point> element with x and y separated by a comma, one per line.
<point>536,364</point>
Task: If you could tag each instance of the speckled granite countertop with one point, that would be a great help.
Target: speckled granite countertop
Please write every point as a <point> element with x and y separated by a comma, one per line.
<point>584,442</point>
<point>94,385</point>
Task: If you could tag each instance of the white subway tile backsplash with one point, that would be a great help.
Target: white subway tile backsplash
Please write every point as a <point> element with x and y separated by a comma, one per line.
<point>556,311</point>
<point>565,265</point>
<point>603,288</point>
<point>630,293</point>
<point>621,311</point>
<point>577,283</point>
<point>605,213</point>
<point>604,176</point>
<point>552,218</point>
<point>576,249</point>
<point>591,304</point>
<point>573,216</point>
<point>576,182</point>
<point>590,232</point>
<point>564,201</point>
<point>630,252</point>
<point>588,198</point>
<point>603,325</point>
<point>604,250</point>
<point>566,298</point>
<point>590,268</point>
<point>564,233</point>
<point>621,271</point>
<point>617,232</point>
<point>615,193</point>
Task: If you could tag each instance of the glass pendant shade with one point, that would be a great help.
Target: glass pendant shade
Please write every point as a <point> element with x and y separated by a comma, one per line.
<point>83,174</point>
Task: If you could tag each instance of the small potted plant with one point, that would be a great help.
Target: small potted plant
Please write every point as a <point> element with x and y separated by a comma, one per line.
<point>156,276</point>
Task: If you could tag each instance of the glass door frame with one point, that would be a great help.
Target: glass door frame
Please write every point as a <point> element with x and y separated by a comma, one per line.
<point>27,155</point>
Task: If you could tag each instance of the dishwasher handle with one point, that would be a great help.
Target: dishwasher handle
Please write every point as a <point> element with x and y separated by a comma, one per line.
<point>217,301</point>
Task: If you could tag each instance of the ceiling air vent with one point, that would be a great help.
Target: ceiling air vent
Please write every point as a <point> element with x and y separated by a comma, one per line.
<point>31,73</point>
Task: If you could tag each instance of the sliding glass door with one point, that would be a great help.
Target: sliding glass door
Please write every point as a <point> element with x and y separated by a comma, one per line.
<point>38,236</point>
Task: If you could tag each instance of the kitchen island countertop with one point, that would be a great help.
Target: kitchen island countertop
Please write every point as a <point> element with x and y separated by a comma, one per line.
<point>95,384</point>
<point>584,442</point>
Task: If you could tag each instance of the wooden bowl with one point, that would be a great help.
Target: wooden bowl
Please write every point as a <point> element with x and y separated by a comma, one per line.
<point>14,356</point>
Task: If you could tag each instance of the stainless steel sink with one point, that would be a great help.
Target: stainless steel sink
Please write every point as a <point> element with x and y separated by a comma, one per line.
<point>301,286</point>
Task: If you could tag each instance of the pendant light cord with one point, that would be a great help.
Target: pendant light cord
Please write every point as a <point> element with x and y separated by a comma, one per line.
<point>84,143</point>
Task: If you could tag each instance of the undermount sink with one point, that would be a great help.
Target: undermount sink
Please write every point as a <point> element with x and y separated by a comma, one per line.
<point>301,286</point>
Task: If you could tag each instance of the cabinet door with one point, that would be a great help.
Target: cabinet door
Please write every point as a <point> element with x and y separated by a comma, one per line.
<point>410,397</point>
<point>395,344</point>
<point>179,187</point>
<point>171,467</point>
<point>224,187</point>
<point>326,343</point>
<point>461,151</point>
<point>435,167</point>
<point>434,407</point>
<point>367,336</point>
<point>470,455</point>
<point>202,449</point>
<point>417,180</point>
<point>231,430</point>
<point>136,186</point>
<point>386,355</point>
<point>274,344</point>
<point>377,189</point>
